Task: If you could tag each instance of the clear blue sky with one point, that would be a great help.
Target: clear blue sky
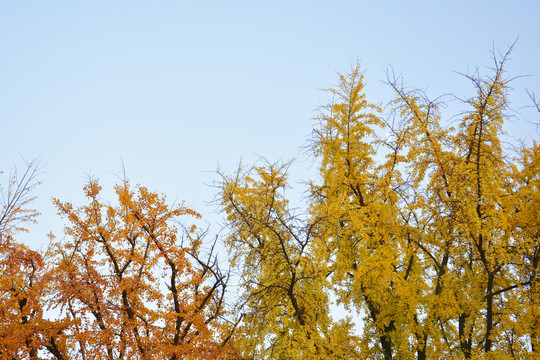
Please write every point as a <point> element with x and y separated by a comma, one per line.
<point>176,87</point>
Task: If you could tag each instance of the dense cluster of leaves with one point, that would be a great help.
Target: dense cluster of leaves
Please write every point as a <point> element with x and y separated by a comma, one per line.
<point>431,232</point>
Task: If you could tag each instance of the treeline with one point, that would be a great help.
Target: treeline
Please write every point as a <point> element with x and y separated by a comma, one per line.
<point>428,228</point>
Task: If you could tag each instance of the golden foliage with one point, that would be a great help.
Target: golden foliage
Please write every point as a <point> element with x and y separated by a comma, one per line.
<point>432,232</point>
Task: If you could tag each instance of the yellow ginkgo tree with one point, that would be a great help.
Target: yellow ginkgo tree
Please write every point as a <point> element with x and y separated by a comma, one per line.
<point>285,299</point>
<point>430,232</point>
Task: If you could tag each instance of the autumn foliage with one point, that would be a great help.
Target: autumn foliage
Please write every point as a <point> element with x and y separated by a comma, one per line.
<point>126,283</point>
<point>425,228</point>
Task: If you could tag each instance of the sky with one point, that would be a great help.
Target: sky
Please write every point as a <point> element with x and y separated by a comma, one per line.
<point>174,89</point>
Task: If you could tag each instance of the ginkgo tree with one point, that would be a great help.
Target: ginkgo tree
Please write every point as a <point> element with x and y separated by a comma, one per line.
<point>429,231</point>
<point>133,285</point>
<point>286,292</point>
<point>128,281</point>
<point>22,280</point>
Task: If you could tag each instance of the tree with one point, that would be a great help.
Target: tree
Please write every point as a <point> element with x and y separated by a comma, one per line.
<point>129,281</point>
<point>430,231</point>
<point>130,287</point>
<point>285,291</point>
<point>22,277</point>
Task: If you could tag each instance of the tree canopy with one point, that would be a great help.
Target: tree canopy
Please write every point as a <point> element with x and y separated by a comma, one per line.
<point>430,232</point>
<point>424,226</point>
<point>129,281</point>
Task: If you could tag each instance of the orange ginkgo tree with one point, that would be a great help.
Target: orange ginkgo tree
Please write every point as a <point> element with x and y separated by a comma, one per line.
<point>23,281</point>
<point>430,232</point>
<point>132,281</point>
<point>128,281</point>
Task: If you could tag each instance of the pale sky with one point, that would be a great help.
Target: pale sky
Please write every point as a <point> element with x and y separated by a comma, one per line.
<point>175,88</point>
